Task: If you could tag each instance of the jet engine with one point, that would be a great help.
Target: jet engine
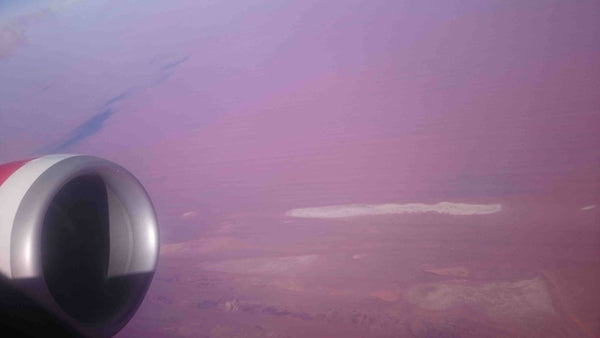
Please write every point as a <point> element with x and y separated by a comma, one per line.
<point>78,246</point>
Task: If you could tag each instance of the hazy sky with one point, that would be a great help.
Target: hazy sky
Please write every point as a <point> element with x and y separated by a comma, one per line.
<point>219,106</point>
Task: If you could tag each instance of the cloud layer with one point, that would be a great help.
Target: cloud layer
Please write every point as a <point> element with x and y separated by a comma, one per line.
<point>352,210</point>
<point>85,130</point>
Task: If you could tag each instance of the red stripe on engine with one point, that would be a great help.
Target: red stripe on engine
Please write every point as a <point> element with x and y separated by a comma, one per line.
<point>9,168</point>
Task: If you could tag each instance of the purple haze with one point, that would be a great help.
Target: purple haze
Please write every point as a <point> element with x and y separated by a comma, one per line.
<point>234,114</point>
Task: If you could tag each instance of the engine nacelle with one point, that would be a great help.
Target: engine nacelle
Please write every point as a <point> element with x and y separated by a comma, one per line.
<point>78,245</point>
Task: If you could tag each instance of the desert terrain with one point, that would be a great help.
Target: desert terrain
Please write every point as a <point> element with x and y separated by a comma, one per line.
<point>420,274</point>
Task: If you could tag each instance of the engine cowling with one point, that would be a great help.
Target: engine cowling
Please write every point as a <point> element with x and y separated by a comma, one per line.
<point>78,245</point>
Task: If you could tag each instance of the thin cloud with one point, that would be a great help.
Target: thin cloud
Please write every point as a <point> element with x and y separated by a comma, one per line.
<point>175,63</point>
<point>96,122</point>
<point>11,39</point>
<point>14,20</point>
<point>353,210</point>
<point>117,98</point>
<point>85,130</point>
<point>589,207</point>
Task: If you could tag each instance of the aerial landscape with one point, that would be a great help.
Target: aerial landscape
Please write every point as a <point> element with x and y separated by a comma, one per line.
<point>334,168</point>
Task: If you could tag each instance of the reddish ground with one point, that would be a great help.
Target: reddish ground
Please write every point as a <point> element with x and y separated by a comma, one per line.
<point>520,272</point>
